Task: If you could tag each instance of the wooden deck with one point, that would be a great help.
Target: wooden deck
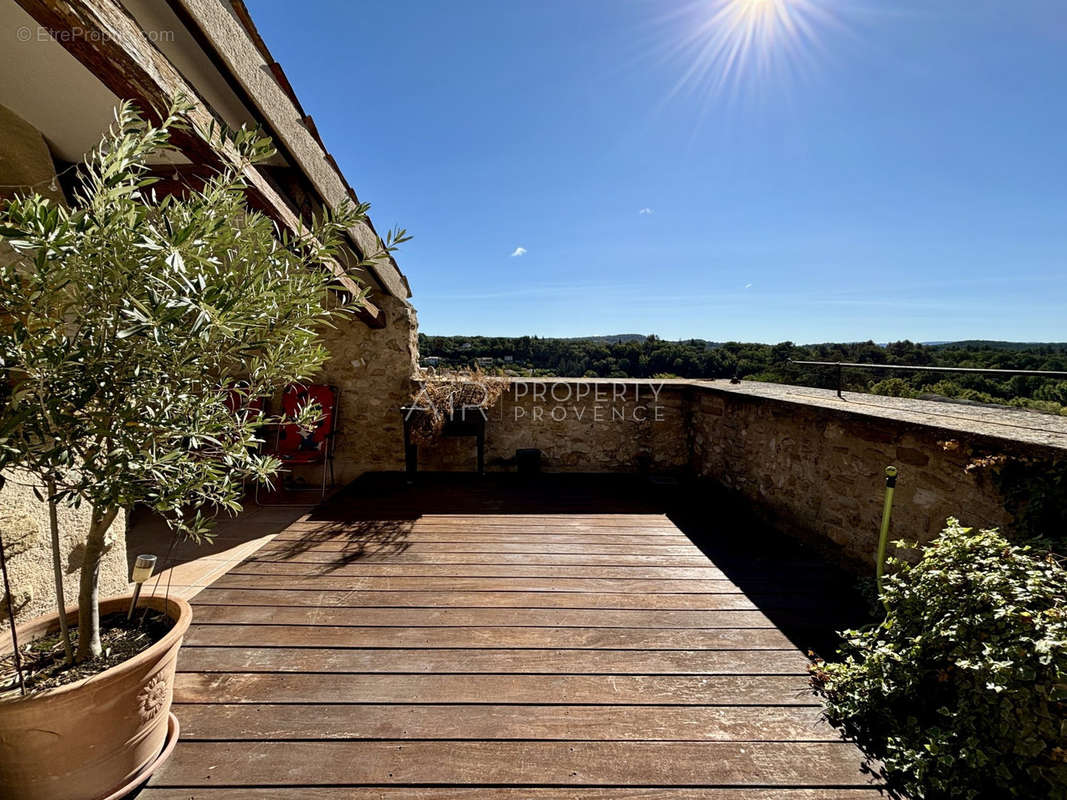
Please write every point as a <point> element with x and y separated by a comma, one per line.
<point>463,639</point>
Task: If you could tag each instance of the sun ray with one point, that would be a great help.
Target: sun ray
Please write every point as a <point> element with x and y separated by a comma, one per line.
<point>733,44</point>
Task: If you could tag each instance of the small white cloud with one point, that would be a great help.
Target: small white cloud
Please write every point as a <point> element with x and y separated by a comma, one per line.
<point>519,251</point>
<point>748,285</point>
<point>646,211</point>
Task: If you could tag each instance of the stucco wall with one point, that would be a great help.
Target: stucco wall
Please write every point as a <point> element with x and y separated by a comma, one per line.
<point>26,160</point>
<point>27,544</point>
<point>371,366</point>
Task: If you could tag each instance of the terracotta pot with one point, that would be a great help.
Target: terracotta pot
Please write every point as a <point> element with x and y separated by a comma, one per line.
<point>84,740</point>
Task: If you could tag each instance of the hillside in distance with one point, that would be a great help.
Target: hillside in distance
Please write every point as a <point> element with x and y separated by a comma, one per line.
<point>639,356</point>
<point>986,344</point>
<point>614,338</point>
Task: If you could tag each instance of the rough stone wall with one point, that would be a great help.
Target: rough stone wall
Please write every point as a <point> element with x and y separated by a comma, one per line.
<point>580,426</point>
<point>813,472</point>
<point>820,473</point>
<point>373,368</point>
<point>27,544</point>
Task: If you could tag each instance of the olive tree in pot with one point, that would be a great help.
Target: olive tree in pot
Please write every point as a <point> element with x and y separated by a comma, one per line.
<point>128,325</point>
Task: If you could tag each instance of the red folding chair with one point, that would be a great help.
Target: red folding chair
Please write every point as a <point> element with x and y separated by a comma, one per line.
<point>247,409</point>
<point>296,447</point>
<point>238,404</point>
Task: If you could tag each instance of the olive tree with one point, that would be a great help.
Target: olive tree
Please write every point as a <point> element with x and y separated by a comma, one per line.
<point>130,322</point>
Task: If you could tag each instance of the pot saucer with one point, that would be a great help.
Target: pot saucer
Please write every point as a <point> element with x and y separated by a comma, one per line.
<point>173,729</point>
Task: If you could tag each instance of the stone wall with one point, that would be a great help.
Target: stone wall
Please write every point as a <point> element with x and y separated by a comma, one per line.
<point>820,473</point>
<point>27,544</point>
<point>579,425</point>
<point>811,464</point>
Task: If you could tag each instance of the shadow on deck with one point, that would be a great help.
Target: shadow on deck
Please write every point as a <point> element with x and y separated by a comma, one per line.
<point>806,597</point>
<point>563,636</point>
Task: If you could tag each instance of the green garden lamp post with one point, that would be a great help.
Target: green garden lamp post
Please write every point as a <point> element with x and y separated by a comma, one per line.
<point>890,486</point>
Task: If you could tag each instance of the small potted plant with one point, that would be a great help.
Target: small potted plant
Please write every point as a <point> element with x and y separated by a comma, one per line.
<point>128,325</point>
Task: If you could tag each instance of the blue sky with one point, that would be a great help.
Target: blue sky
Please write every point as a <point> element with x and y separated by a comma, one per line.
<point>898,171</point>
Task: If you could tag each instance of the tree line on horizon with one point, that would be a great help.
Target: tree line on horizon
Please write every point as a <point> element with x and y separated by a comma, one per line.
<point>632,356</point>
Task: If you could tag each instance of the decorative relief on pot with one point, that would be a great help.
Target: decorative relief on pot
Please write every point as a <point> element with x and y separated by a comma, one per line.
<point>153,697</point>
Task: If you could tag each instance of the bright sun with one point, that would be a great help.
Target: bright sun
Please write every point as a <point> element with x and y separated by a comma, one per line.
<point>729,41</point>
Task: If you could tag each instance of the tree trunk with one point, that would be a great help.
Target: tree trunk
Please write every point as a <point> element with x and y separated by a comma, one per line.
<point>89,592</point>
<point>57,571</point>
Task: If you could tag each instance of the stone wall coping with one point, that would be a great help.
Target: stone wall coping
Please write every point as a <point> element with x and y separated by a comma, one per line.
<point>1004,423</point>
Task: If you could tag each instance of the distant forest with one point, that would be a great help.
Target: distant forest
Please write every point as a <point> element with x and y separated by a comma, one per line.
<point>639,356</point>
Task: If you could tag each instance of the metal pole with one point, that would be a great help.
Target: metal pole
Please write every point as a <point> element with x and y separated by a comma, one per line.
<point>142,571</point>
<point>839,381</point>
<point>11,619</point>
<point>133,600</point>
<point>890,486</point>
<point>57,571</point>
<point>1041,373</point>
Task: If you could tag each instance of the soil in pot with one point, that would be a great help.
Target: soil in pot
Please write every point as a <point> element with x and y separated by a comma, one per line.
<point>43,662</point>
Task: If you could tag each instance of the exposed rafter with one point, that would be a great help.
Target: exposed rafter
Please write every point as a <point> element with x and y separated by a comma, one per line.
<point>245,55</point>
<point>111,45</point>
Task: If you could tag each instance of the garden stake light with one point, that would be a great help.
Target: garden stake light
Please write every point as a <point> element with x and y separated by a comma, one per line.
<point>142,571</point>
<point>890,485</point>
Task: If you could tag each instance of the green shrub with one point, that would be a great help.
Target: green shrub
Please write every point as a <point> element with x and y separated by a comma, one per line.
<point>893,387</point>
<point>961,692</point>
<point>1035,494</point>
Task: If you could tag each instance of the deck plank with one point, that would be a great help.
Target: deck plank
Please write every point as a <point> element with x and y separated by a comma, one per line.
<point>573,763</point>
<point>339,539</point>
<point>512,637</point>
<point>446,599</point>
<point>423,644</point>
<point>580,558</point>
<point>489,660</point>
<point>377,583</point>
<point>478,617</point>
<point>217,722</point>
<point>499,793</point>
<point>389,569</point>
<point>532,546</point>
<point>522,689</point>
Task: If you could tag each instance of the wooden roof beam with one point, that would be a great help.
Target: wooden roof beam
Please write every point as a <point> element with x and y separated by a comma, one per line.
<point>111,45</point>
<point>245,55</point>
